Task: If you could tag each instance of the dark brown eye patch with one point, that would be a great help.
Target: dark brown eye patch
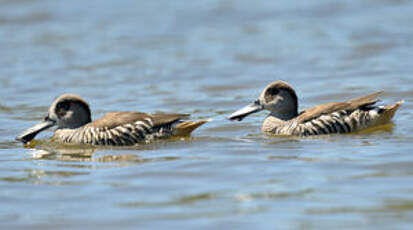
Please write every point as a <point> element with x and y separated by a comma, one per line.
<point>273,91</point>
<point>270,93</point>
<point>62,107</point>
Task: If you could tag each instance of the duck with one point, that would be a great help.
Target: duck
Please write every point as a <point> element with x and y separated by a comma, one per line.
<point>281,100</point>
<point>71,115</point>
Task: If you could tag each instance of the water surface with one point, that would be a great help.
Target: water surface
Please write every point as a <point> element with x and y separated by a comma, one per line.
<point>208,59</point>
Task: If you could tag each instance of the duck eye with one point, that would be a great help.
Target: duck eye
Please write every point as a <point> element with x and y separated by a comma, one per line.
<point>273,91</point>
<point>270,94</point>
<point>62,107</point>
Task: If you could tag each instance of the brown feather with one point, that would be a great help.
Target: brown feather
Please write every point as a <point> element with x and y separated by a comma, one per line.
<point>388,113</point>
<point>164,119</point>
<point>367,99</point>
<point>332,107</point>
<point>185,128</point>
<point>114,119</point>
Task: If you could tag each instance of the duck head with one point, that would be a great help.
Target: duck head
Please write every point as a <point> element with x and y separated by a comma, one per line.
<point>278,97</point>
<point>68,111</point>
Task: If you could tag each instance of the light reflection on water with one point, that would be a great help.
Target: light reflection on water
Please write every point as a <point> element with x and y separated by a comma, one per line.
<point>207,59</point>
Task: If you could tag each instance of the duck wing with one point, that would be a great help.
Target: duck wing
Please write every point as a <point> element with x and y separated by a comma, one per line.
<point>115,119</point>
<point>328,108</point>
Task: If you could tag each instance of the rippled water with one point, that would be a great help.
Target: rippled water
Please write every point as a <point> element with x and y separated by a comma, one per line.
<point>205,58</point>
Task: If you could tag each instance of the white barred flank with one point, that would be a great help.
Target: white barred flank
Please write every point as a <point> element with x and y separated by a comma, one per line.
<point>337,122</point>
<point>128,134</point>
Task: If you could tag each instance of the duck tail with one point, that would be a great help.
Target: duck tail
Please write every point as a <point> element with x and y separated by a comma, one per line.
<point>389,111</point>
<point>185,128</point>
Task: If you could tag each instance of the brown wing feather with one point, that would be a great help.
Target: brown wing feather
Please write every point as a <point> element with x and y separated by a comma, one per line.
<point>367,99</point>
<point>163,119</point>
<point>114,119</point>
<point>332,107</point>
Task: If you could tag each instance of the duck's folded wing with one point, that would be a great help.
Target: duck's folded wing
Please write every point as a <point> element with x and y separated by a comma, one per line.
<point>328,108</point>
<point>166,119</point>
<point>115,119</point>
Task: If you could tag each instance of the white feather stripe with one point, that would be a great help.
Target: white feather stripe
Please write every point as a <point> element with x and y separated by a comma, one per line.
<point>141,129</point>
<point>122,129</point>
<point>94,134</point>
<point>319,125</point>
<point>141,123</point>
<point>348,121</point>
<point>149,120</point>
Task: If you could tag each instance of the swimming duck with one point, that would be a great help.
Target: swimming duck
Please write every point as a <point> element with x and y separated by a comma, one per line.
<point>336,117</point>
<point>72,116</point>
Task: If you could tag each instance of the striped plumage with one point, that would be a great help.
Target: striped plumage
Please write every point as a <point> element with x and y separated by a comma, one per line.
<point>343,121</point>
<point>73,117</point>
<point>337,117</point>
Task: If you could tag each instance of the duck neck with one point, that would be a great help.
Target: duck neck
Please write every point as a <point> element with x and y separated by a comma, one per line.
<point>273,123</point>
<point>69,135</point>
<point>283,116</point>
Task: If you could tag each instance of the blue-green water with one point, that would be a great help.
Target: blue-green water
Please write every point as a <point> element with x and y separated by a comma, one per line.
<point>206,58</point>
